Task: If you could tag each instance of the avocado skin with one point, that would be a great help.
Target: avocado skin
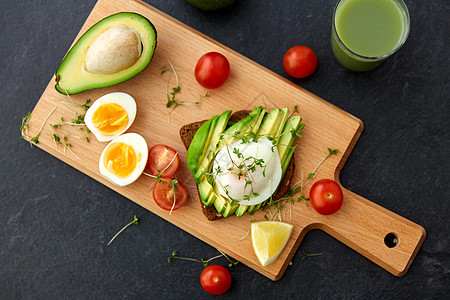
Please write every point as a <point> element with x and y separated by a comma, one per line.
<point>71,61</point>
<point>211,4</point>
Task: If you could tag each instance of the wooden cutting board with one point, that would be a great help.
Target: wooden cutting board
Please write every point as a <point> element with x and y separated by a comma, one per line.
<point>360,224</point>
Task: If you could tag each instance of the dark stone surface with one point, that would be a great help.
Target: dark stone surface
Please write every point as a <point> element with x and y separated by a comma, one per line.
<point>56,221</point>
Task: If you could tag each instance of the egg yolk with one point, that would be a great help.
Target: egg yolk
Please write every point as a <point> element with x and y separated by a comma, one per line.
<point>110,118</point>
<point>120,159</point>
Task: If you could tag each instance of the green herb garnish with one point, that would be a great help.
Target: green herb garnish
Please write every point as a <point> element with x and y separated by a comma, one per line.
<point>306,255</point>
<point>135,221</point>
<point>205,262</point>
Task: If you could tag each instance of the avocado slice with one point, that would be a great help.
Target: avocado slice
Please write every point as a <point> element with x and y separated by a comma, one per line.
<point>218,125</point>
<point>288,136</point>
<point>72,76</point>
<point>220,203</point>
<point>203,159</point>
<point>269,122</point>
<point>205,191</point>
<point>198,143</point>
<point>229,209</point>
<point>251,123</point>
<point>240,211</point>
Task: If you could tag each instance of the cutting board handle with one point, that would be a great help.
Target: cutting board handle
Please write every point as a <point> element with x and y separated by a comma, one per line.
<point>382,236</point>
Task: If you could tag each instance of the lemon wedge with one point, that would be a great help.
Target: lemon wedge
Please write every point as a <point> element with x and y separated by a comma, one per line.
<point>269,238</point>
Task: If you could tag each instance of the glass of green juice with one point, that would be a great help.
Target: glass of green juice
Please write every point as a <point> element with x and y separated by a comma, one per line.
<point>366,32</point>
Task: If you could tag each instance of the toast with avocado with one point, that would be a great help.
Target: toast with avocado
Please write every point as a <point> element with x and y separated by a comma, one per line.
<point>241,160</point>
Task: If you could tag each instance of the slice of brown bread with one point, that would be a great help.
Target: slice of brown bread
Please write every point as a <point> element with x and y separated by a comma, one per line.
<point>187,133</point>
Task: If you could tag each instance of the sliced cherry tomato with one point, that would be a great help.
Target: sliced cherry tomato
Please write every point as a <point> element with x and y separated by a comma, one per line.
<point>326,196</point>
<point>300,61</point>
<point>161,157</point>
<point>215,279</point>
<point>212,70</point>
<point>165,195</point>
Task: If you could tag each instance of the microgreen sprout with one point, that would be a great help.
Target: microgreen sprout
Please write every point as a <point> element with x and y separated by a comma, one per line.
<point>24,128</point>
<point>244,168</point>
<point>171,93</point>
<point>77,121</point>
<point>205,262</point>
<point>295,110</point>
<point>135,221</point>
<point>306,255</point>
<point>296,133</point>
<point>294,193</point>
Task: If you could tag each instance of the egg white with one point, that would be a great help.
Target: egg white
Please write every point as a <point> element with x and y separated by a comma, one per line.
<point>264,184</point>
<point>124,100</point>
<point>140,147</point>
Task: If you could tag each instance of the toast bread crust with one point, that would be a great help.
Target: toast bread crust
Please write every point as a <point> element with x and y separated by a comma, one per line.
<point>187,133</point>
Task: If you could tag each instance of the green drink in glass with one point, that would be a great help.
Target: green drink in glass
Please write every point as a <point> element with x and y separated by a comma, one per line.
<point>366,32</point>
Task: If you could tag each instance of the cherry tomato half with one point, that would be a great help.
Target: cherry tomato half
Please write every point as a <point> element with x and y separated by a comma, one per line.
<point>300,61</point>
<point>165,195</point>
<point>212,70</point>
<point>326,196</point>
<point>215,279</point>
<point>161,157</point>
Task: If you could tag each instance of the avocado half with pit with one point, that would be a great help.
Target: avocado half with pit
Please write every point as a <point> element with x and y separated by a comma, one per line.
<point>115,49</point>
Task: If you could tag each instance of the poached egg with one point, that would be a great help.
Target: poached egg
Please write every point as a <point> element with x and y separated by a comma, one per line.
<point>247,172</point>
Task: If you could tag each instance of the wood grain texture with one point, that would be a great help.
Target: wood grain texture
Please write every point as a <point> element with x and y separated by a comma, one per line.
<point>360,224</point>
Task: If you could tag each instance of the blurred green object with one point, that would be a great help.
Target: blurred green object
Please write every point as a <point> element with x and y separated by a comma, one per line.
<point>211,4</point>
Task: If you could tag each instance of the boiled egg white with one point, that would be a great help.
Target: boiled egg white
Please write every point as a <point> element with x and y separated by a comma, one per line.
<point>237,180</point>
<point>123,160</point>
<point>110,116</point>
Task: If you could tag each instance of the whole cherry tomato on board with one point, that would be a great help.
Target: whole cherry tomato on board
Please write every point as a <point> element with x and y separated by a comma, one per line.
<point>212,70</point>
<point>215,279</point>
<point>162,159</point>
<point>326,196</point>
<point>300,61</point>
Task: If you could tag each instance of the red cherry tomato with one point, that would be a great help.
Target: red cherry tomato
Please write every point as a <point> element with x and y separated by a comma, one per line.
<point>215,279</point>
<point>300,61</point>
<point>165,195</point>
<point>326,196</point>
<point>161,157</point>
<point>212,70</point>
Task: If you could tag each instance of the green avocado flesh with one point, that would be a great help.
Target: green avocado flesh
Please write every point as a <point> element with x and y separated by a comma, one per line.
<point>214,134</point>
<point>72,76</point>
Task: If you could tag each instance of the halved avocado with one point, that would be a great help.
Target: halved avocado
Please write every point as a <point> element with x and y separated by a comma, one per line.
<point>72,76</point>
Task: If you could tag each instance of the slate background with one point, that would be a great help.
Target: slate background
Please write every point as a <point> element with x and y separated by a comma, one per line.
<point>56,221</point>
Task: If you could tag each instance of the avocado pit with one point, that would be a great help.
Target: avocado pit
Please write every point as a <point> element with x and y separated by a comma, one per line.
<point>116,49</point>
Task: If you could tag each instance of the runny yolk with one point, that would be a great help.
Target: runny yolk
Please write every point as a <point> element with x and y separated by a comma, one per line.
<point>120,159</point>
<point>110,118</point>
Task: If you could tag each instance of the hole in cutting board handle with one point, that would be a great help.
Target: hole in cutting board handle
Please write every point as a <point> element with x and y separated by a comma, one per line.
<point>391,240</point>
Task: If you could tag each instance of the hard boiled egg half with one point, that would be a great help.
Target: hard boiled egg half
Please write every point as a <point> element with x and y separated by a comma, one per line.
<point>110,116</point>
<point>248,173</point>
<point>123,160</point>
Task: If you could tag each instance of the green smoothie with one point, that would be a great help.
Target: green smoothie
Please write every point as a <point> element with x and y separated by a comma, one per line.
<point>365,32</point>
